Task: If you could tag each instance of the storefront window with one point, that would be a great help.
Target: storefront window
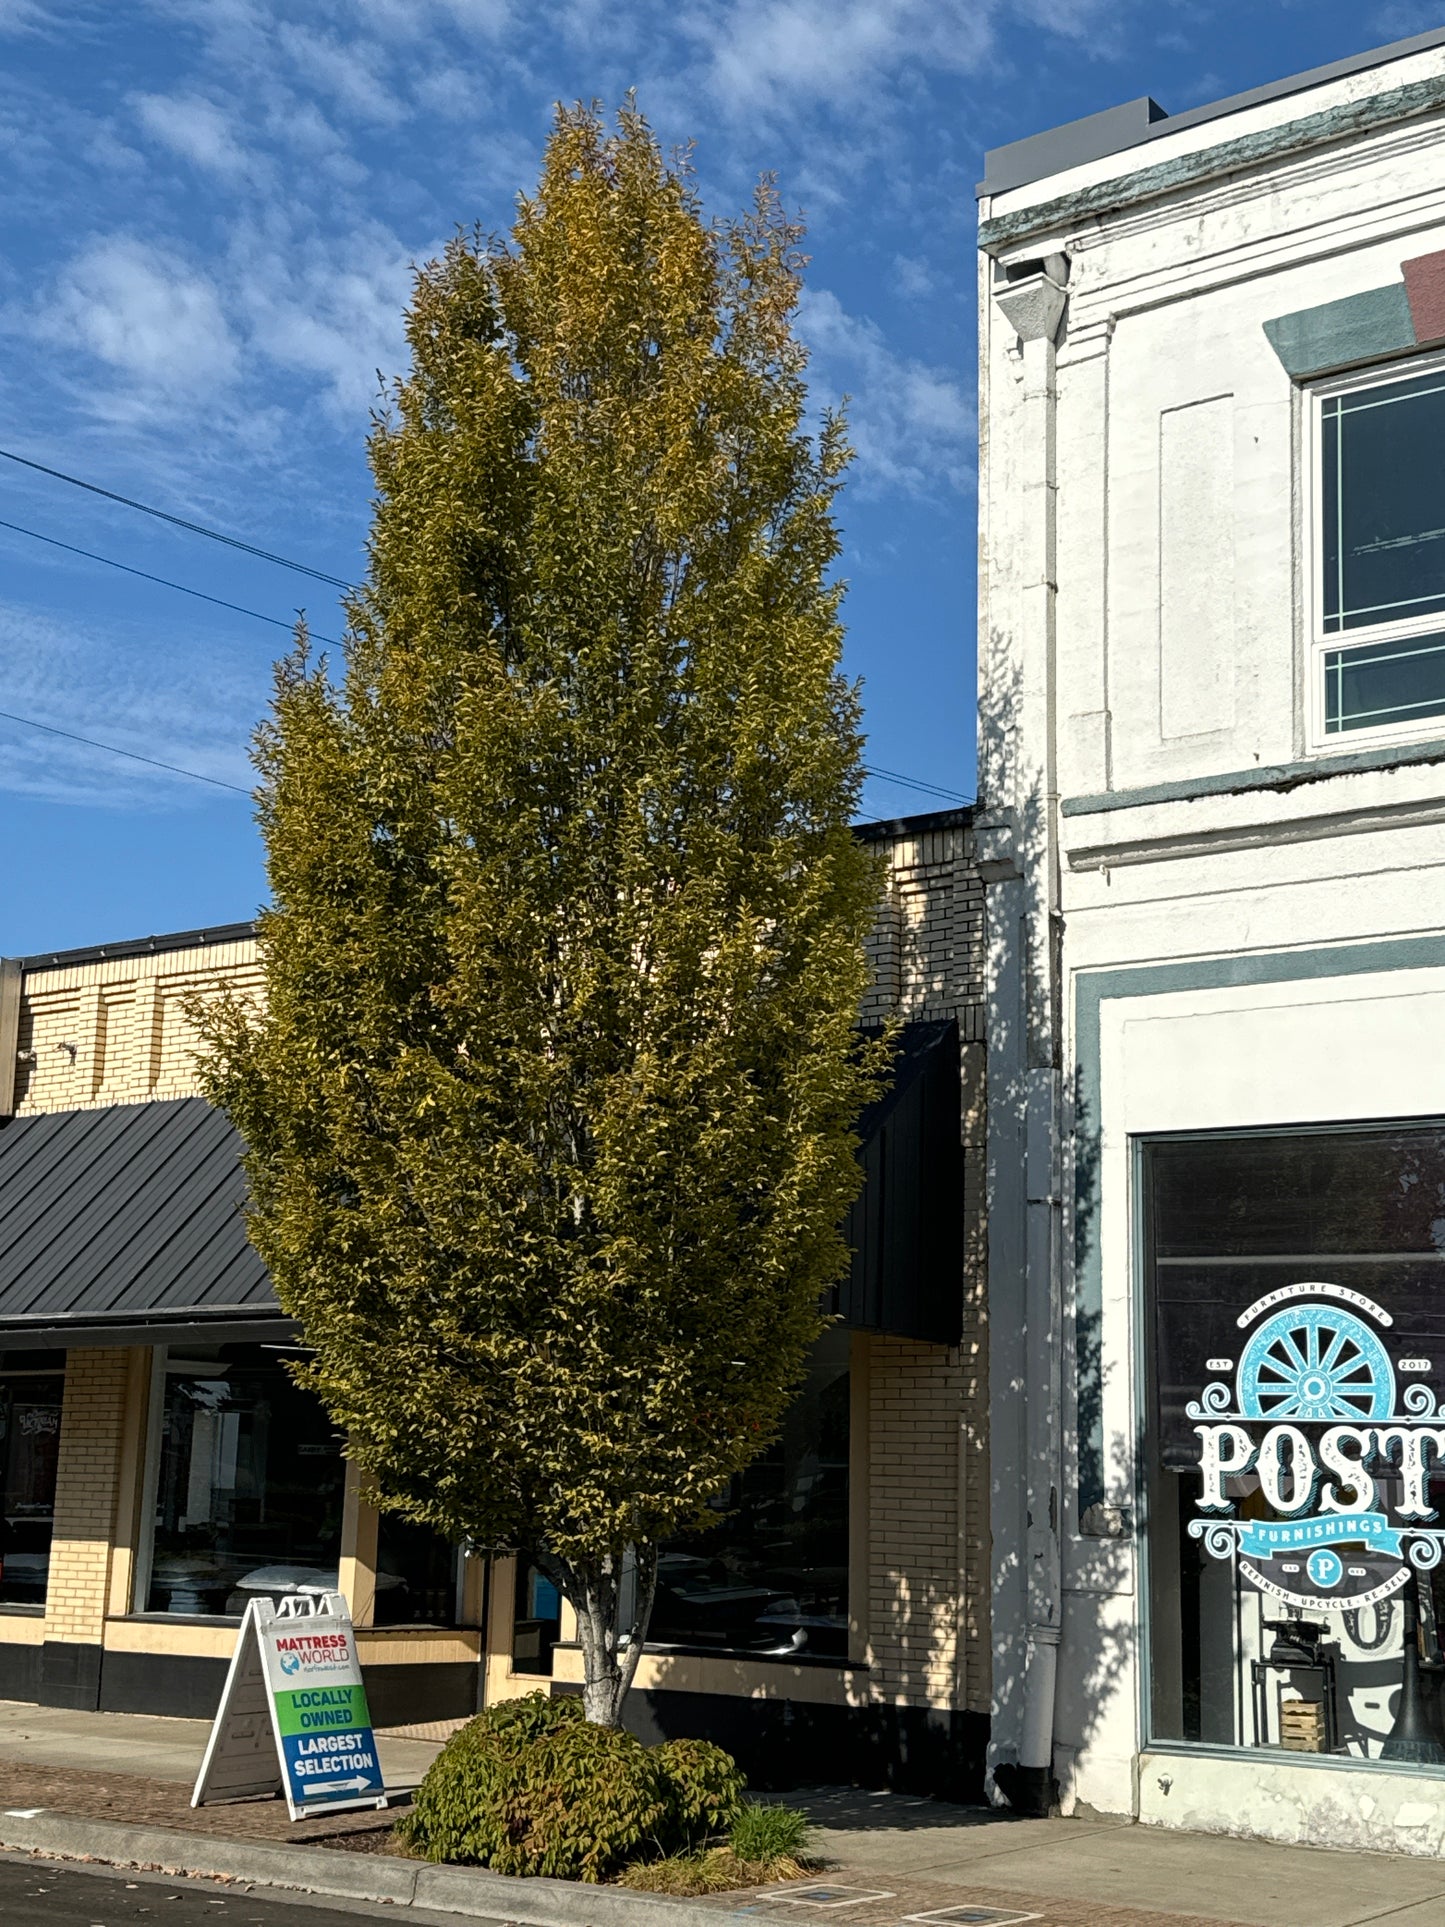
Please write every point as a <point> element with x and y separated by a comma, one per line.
<point>249,1485</point>
<point>536,1621</point>
<point>771,1576</point>
<point>417,1575</point>
<point>30,1401</point>
<point>1296,1453</point>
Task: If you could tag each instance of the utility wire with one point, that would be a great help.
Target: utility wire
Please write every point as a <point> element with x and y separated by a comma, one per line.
<point>285,562</point>
<point>146,576</point>
<point>178,521</point>
<point>175,769</point>
<point>110,749</point>
<point>915,783</point>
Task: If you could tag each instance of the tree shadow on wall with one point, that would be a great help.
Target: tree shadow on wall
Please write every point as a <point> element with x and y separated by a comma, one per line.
<point>1027,1030</point>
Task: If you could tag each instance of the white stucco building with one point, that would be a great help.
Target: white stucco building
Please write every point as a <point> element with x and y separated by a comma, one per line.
<point>1212,502</point>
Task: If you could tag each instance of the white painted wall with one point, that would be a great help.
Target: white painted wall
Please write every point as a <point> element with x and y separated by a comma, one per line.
<point>1141,624</point>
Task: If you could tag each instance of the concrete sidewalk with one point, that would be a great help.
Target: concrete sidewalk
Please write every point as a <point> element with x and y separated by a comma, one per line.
<point>1250,1883</point>
<point>153,1748</point>
<point>909,1856</point>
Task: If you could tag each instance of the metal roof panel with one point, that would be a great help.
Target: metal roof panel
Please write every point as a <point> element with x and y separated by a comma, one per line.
<point>125,1209</point>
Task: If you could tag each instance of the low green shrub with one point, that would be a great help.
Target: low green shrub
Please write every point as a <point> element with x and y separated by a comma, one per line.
<point>587,1800</point>
<point>705,1789</point>
<point>528,1787</point>
<point>461,1808</point>
<point>762,1833</point>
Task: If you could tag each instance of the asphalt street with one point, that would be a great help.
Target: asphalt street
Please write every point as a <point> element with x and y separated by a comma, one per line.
<point>39,1892</point>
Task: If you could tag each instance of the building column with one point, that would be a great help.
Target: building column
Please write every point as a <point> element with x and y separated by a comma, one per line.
<point>360,1523</point>
<point>87,1494</point>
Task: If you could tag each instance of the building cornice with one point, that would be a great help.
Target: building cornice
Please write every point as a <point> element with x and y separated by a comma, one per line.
<point>1346,120</point>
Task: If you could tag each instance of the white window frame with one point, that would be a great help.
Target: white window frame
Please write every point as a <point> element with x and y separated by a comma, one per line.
<point>1318,643</point>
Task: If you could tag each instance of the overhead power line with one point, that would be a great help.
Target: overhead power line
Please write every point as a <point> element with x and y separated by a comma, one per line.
<point>145,575</point>
<point>176,769</point>
<point>282,561</point>
<point>110,749</point>
<point>178,521</point>
<point>916,783</point>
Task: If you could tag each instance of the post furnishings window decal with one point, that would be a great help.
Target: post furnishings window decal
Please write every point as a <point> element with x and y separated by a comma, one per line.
<point>1377,569</point>
<point>1295,1479</point>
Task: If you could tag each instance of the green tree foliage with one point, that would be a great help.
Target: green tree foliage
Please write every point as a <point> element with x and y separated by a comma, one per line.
<point>549,1105</point>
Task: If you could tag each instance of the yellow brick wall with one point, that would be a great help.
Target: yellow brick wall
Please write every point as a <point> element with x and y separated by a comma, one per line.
<point>92,1438</point>
<point>112,1031</point>
<point>927,1607</point>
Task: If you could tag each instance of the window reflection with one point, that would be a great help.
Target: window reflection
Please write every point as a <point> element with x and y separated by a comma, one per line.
<point>771,1575</point>
<point>249,1488</point>
<point>536,1621</point>
<point>30,1402</point>
<point>417,1575</point>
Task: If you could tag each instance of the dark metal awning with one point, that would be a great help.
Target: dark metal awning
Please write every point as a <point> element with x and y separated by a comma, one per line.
<point>124,1225</point>
<point>906,1225</point>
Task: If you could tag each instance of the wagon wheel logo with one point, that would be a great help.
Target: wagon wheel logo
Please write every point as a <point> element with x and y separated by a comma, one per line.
<point>1315,1362</point>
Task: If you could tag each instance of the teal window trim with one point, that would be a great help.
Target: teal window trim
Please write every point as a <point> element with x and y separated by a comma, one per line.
<point>1092,989</point>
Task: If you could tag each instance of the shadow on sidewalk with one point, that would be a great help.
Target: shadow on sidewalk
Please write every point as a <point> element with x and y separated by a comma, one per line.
<point>857,1810</point>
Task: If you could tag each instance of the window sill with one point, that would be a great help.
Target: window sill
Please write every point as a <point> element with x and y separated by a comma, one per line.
<point>1318,767</point>
<point>419,1628</point>
<point>177,1619</point>
<point>733,1656</point>
<point>19,1611</point>
<point>1283,1756</point>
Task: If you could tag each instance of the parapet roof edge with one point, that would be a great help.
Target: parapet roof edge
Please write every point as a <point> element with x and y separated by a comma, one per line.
<point>139,947</point>
<point>952,819</point>
<point>897,826</point>
<point>1055,150</point>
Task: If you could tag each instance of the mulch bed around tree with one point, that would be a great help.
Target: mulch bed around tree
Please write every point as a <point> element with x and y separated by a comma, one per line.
<point>166,1803</point>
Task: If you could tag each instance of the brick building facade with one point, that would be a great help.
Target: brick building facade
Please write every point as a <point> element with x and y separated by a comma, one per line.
<point>126,1624</point>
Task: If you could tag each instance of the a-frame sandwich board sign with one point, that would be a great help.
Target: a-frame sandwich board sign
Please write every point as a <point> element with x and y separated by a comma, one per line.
<point>293,1717</point>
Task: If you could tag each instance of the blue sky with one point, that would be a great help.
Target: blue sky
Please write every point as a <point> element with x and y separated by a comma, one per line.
<point>208,216</point>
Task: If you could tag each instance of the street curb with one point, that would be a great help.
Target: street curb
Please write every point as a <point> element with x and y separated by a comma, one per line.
<point>354,1876</point>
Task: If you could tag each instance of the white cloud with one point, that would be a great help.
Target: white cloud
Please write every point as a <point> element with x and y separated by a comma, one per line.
<point>913,425</point>
<point>914,276</point>
<point>151,695</point>
<point>1403,22</point>
<point>194,128</point>
<point>484,19</point>
<point>148,317</point>
<point>771,55</point>
<point>350,74</point>
<point>331,309</point>
<point>19,16</point>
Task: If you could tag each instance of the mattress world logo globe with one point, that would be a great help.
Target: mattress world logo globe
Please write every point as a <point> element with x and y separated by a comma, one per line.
<point>1322,1445</point>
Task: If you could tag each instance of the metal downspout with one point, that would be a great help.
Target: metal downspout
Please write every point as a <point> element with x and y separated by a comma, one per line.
<point>1033,301</point>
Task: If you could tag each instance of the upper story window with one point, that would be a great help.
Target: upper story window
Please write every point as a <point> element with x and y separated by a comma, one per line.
<point>1378,614</point>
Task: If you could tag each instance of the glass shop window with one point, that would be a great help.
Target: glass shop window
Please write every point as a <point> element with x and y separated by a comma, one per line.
<point>1295,1462</point>
<point>1379,592</point>
<point>418,1575</point>
<point>30,1402</point>
<point>536,1621</point>
<point>249,1485</point>
<point>771,1575</point>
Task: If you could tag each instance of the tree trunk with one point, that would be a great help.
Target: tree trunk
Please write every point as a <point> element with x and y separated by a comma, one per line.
<point>610,1650</point>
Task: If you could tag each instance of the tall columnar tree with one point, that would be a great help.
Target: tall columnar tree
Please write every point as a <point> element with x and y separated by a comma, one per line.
<point>549,1106</point>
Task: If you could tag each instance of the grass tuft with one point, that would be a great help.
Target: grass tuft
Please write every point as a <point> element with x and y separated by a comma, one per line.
<point>768,1832</point>
<point>716,1871</point>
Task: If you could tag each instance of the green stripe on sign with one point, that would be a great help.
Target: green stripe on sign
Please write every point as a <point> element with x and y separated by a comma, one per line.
<point>321,1709</point>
